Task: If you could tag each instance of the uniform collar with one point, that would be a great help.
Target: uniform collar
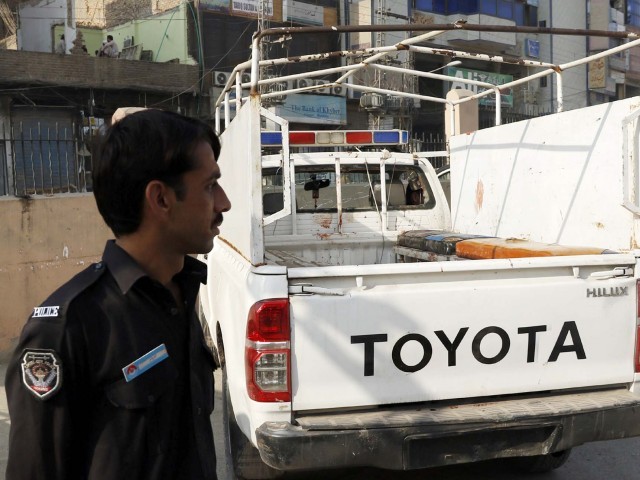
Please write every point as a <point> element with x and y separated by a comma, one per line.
<point>127,272</point>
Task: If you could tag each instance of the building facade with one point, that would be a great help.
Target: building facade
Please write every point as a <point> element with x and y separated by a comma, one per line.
<point>164,42</point>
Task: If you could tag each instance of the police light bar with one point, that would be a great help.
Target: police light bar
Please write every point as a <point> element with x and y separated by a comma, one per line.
<point>337,138</point>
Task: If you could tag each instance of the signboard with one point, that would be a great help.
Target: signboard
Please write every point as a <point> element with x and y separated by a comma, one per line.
<point>598,73</point>
<point>316,109</point>
<point>532,48</point>
<point>216,5</point>
<point>480,76</point>
<point>251,7</point>
<point>304,13</point>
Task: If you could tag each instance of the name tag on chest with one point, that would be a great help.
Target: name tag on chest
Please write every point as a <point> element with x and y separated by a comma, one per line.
<point>145,362</point>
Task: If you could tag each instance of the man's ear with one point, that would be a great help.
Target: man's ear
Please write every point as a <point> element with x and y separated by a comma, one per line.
<point>159,197</point>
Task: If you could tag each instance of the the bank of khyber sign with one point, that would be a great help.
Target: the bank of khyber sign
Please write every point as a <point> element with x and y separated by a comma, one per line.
<point>318,109</point>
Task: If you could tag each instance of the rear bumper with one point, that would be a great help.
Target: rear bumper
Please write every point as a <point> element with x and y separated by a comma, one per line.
<point>403,438</point>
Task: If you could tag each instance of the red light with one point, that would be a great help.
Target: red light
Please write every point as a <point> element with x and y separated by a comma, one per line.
<point>302,138</point>
<point>637,362</point>
<point>268,365</point>
<point>269,321</point>
<point>355,138</point>
<point>638,299</point>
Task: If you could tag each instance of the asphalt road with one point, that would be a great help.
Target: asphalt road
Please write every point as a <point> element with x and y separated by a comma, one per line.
<point>614,460</point>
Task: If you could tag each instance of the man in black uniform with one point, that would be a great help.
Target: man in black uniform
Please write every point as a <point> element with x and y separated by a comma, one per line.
<point>112,378</point>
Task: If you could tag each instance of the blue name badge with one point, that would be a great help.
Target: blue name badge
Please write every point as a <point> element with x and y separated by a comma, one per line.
<point>145,362</point>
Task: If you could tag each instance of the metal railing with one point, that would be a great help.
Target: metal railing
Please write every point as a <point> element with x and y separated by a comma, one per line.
<point>370,58</point>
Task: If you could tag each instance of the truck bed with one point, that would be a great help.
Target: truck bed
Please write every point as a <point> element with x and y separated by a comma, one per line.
<point>407,247</point>
<point>325,251</point>
<point>289,259</point>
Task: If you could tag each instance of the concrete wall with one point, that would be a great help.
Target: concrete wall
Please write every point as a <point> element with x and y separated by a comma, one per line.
<point>36,22</point>
<point>45,241</point>
<point>88,71</point>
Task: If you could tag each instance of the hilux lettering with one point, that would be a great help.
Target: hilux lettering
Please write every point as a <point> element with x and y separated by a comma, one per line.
<point>607,292</point>
<point>568,341</point>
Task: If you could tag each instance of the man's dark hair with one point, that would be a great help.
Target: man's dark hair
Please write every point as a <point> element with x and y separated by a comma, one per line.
<point>144,146</point>
<point>109,37</point>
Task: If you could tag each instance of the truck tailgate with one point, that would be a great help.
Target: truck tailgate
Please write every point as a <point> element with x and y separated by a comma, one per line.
<point>433,331</point>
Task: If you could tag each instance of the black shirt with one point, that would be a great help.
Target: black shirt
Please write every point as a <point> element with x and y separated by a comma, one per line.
<point>73,413</point>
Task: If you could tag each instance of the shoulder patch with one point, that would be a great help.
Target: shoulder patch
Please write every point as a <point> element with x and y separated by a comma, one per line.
<point>41,372</point>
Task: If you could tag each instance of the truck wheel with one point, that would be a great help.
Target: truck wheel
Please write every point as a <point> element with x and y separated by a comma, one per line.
<point>242,458</point>
<point>540,463</point>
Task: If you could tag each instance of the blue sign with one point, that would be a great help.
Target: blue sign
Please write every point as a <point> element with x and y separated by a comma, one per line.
<point>532,48</point>
<point>316,109</point>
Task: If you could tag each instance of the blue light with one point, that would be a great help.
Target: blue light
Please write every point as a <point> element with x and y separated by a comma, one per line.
<point>386,137</point>
<point>405,137</point>
<point>271,138</point>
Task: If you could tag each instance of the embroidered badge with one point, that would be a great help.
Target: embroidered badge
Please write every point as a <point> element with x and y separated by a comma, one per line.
<point>45,311</point>
<point>41,373</point>
<point>145,362</point>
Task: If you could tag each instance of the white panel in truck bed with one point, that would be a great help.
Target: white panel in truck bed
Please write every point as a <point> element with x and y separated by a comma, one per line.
<point>553,179</point>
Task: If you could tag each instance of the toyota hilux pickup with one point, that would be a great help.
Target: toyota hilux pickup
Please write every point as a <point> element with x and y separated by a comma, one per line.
<point>355,326</point>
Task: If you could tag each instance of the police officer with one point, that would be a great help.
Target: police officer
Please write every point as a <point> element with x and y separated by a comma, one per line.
<point>112,378</point>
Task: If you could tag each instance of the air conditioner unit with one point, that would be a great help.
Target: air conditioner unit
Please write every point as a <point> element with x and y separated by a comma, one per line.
<point>220,78</point>
<point>303,83</point>
<point>246,78</point>
<point>321,91</point>
<point>372,101</point>
<point>338,90</point>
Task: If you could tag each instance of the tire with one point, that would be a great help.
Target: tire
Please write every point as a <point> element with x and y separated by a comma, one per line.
<point>540,463</point>
<point>241,457</point>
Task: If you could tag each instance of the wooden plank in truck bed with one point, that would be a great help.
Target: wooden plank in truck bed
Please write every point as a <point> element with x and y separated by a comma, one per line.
<point>287,259</point>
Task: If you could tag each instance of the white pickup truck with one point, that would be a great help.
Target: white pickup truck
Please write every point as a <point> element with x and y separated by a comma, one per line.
<point>353,331</point>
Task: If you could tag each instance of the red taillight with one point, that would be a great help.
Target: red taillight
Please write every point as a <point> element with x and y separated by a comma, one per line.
<point>267,351</point>
<point>637,350</point>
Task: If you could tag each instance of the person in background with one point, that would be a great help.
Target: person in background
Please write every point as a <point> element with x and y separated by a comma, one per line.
<point>112,378</point>
<point>109,48</point>
<point>61,46</point>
